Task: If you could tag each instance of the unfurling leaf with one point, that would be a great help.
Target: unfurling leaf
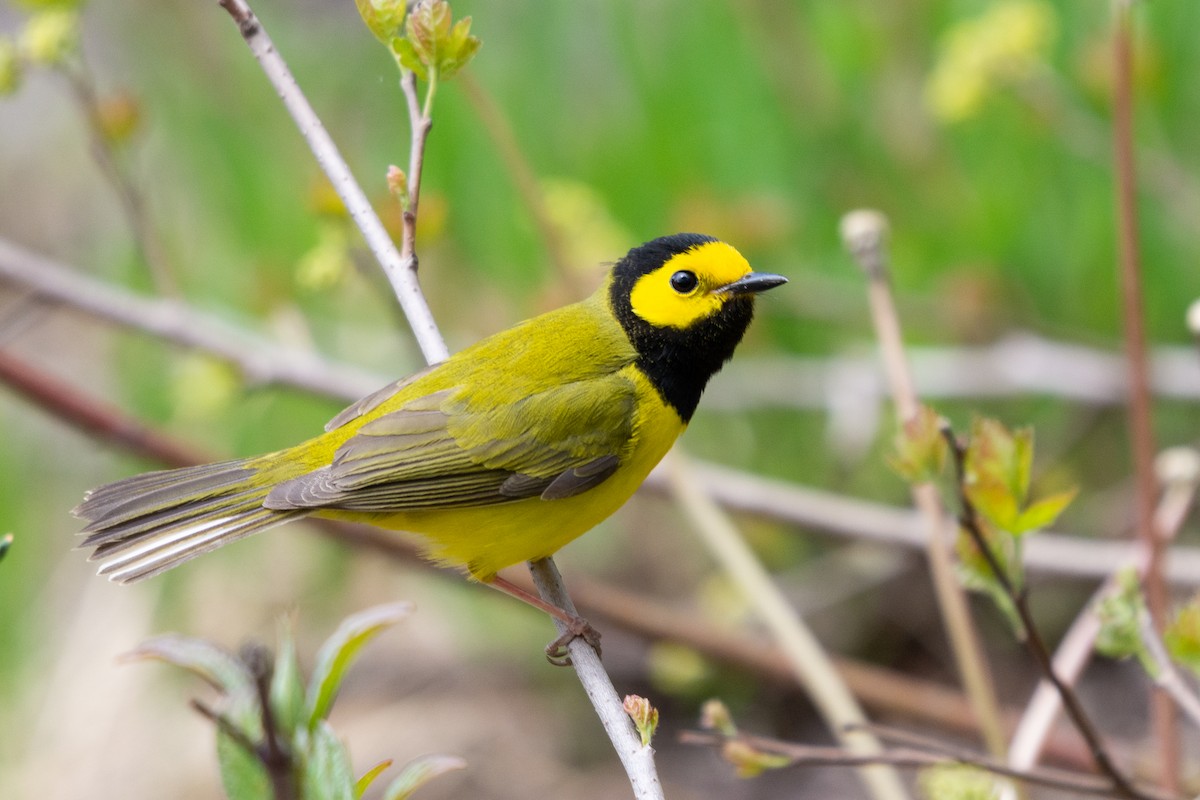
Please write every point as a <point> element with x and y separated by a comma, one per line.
<point>419,772</point>
<point>1182,636</point>
<point>921,448</point>
<point>367,778</point>
<point>644,716</point>
<point>383,17</point>
<point>397,183</point>
<point>998,465</point>
<point>287,686</point>
<point>749,760</point>
<point>50,37</point>
<point>715,716</point>
<point>339,651</point>
<point>1120,621</point>
<point>958,782</point>
<point>432,44</point>
<point>327,774</point>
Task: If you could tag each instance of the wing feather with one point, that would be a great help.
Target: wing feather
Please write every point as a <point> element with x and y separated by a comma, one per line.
<point>450,449</point>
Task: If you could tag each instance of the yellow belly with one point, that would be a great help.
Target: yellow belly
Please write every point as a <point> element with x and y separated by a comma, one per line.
<point>485,539</point>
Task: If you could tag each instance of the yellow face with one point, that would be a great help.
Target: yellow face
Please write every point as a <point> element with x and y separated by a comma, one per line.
<point>687,287</point>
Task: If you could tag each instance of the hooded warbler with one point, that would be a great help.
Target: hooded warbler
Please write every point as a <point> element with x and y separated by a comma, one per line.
<point>503,453</point>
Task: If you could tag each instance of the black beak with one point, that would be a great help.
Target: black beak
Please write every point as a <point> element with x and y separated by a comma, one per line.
<point>754,283</point>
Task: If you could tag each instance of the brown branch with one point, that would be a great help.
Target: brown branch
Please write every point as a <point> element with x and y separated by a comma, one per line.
<point>1031,635</point>
<point>913,758</point>
<point>129,194</point>
<point>1141,429</point>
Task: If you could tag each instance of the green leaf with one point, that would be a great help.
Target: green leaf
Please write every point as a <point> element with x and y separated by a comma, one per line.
<point>406,54</point>
<point>1182,636</point>
<point>340,649</point>
<point>383,17</point>
<point>368,777</point>
<point>1120,613</point>
<point>1042,512</point>
<point>419,772</point>
<point>327,773</point>
<point>287,687</point>
<point>242,774</point>
<point>958,782</point>
<point>215,665</point>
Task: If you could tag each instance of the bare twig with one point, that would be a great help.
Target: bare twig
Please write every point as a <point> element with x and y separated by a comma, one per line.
<point>1141,429</point>
<point>865,233</point>
<point>1018,364</point>
<point>1032,638</point>
<point>808,659</point>
<point>912,758</point>
<point>259,360</point>
<point>401,269</point>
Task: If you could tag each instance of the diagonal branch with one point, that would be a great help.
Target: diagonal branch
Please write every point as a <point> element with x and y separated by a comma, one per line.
<point>401,271</point>
<point>969,519</point>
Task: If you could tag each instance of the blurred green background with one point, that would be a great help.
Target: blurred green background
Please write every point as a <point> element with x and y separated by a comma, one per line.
<point>980,128</point>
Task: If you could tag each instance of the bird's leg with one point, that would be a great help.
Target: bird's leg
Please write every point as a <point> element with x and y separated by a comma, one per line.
<point>577,626</point>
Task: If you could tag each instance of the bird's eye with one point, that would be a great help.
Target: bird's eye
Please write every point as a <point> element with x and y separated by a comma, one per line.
<point>684,281</point>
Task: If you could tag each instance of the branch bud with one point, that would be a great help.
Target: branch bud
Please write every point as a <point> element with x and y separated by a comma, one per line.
<point>644,716</point>
<point>865,233</point>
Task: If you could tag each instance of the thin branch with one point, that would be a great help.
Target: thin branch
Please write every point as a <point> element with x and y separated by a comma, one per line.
<point>865,235</point>
<point>638,759</point>
<point>808,659</point>
<point>911,758</point>
<point>402,272</point>
<point>421,124</point>
<point>1032,638</point>
<point>1077,373</point>
<point>260,361</point>
<point>1141,428</point>
<point>1179,472</point>
<point>129,194</point>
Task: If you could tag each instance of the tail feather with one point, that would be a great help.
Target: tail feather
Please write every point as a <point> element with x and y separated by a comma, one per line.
<point>147,524</point>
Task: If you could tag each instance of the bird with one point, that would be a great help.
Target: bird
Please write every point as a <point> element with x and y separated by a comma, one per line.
<point>502,453</point>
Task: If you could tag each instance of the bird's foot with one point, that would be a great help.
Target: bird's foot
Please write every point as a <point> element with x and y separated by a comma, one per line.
<point>577,628</point>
